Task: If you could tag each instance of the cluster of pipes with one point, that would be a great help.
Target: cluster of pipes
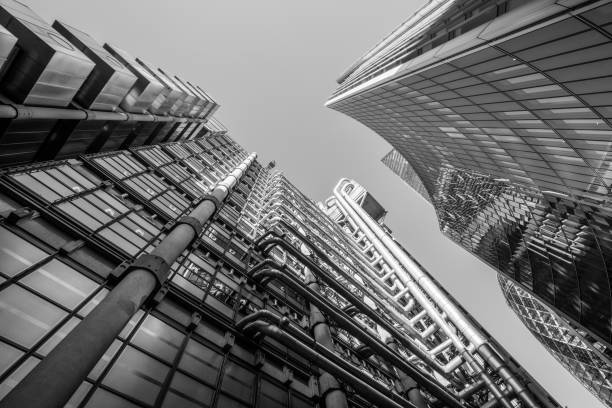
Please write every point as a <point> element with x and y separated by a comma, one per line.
<point>473,350</point>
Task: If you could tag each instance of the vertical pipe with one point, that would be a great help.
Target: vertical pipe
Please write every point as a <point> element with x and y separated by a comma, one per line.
<point>328,385</point>
<point>416,280</point>
<point>408,383</point>
<point>53,381</point>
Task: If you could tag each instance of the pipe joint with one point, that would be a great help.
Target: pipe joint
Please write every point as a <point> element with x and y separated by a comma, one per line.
<point>328,384</point>
<point>156,265</point>
<point>192,222</point>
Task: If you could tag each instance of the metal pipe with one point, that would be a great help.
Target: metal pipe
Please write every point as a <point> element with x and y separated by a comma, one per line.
<point>23,112</point>
<point>493,360</point>
<point>337,286</point>
<point>443,370</point>
<point>53,381</point>
<point>321,348</point>
<point>344,292</point>
<point>471,389</point>
<point>328,386</point>
<point>419,283</point>
<point>350,326</point>
<point>408,384</point>
<point>363,388</point>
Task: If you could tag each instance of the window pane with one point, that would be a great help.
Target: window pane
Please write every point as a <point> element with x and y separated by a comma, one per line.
<point>16,254</point>
<point>15,378</point>
<point>25,317</point>
<point>106,358</point>
<point>78,395</point>
<point>238,381</point>
<point>58,336</point>
<point>159,338</point>
<point>137,375</point>
<point>8,355</point>
<point>201,361</point>
<point>105,399</point>
<point>299,403</point>
<point>173,400</point>
<point>93,302</point>
<point>272,396</point>
<point>61,283</point>
<point>226,402</point>
<point>192,389</point>
<point>131,324</point>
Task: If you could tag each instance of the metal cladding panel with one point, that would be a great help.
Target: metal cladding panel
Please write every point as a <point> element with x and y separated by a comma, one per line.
<point>199,102</point>
<point>143,131</point>
<point>205,101</point>
<point>83,135</point>
<point>180,105</point>
<point>7,46</point>
<point>110,80</point>
<point>172,96</point>
<point>119,134</point>
<point>146,89</point>
<point>191,102</point>
<point>47,69</point>
<point>212,108</point>
<point>22,139</point>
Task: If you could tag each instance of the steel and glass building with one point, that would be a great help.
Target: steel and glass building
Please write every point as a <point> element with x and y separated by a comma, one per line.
<point>65,93</point>
<point>499,115</point>
<point>147,260</point>
<point>587,359</point>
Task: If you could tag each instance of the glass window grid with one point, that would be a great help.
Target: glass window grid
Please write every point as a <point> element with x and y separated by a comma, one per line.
<point>99,210</point>
<point>24,281</point>
<point>178,175</point>
<point>153,190</point>
<point>119,350</point>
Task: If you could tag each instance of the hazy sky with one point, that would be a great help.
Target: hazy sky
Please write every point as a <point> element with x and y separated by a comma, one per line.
<point>271,65</point>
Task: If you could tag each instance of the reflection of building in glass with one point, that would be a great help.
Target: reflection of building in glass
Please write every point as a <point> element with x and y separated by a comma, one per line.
<point>400,166</point>
<point>587,359</point>
<point>502,112</point>
<point>146,260</point>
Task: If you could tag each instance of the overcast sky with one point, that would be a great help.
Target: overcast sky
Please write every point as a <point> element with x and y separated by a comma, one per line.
<point>272,65</point>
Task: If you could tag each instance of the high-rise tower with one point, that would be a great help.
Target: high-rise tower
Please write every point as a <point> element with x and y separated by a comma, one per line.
<point>498,114</point>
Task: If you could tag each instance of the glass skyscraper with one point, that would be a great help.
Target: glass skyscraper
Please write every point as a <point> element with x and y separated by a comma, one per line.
<point>584,357</point>
<point>147,260</point>
<point>500,112</point>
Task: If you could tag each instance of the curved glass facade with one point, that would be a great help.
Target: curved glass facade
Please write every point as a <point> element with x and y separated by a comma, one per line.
<point>587,359</point>
<point>507,126</point>
<point>522,102</point>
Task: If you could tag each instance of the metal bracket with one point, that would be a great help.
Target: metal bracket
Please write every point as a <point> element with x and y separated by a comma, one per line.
<point>194,223</point>
<point>14,216</point>
<point>71,246</point>
<point>216,202</point>
<point>151,263</point>
<point>328,384</point>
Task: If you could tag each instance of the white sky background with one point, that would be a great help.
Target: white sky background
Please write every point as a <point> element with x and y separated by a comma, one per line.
<point>272,64</point>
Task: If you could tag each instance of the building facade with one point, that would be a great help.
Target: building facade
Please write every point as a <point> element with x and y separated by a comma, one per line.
<point>147,260</point>
<point>582,355</point>
<point>500,112</point>
<point>64,93</point>
<point>66,225</point>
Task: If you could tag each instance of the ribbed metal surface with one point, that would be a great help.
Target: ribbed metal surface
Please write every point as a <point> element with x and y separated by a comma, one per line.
<point>110,80</point>
<point>47,70</point>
